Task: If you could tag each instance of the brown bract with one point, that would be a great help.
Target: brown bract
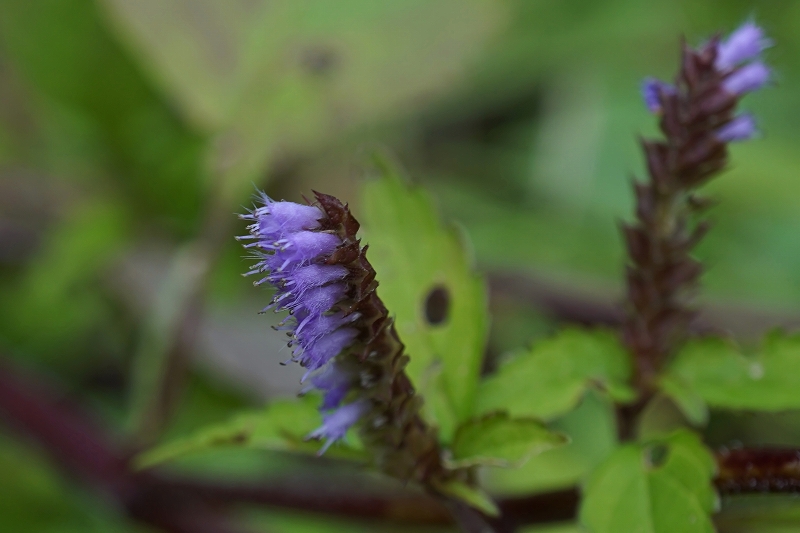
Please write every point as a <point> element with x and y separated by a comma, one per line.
<point>399,440</point>
<point>662,275</point>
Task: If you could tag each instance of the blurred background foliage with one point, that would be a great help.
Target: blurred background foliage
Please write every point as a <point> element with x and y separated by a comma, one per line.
<point>131,131</point>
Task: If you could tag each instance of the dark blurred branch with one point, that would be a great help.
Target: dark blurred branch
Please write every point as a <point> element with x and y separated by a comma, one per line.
<point>759,470</point>
<point>340,497</point>
<point>78,446</point>
<point>556,300</point>
<point>570,304</point>
<point>181,505</point>
<point>469,520</point>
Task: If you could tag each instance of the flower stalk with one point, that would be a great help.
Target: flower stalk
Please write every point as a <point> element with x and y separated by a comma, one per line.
<point>698,119</point>
<point>342,333</point>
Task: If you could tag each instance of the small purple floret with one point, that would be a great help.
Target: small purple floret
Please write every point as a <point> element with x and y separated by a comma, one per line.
<point>336,424</point>
<point>740,71</point>
<point>290,247</point>
<point>748,78</point>
<point>652,89</point>
<point>740,128</point>
<point>745,43</point>
<point>334,382</point>
<point>279,218</point>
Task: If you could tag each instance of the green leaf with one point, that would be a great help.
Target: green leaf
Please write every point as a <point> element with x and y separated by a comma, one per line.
<point>499,440</point>
<point>714,372</point>
<point>417,258</point>
<point>148,383</point>
<point>281,426</point>
<point>659,486</point>
<point>473,496</point>
<point>688,400</point>
<point>60,288</point>
<point>550,379</point>
<point>593,436</point>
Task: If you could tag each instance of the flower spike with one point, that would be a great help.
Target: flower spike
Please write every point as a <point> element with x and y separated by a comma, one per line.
<point>697,116</point>
<point>341,332</point>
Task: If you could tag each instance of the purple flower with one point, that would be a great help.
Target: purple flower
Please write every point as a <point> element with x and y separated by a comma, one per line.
<point>290,245</point>
<point>740,128</point>
<point>744,44</point>
<point>736,71</point>
<point>652,89</point>
<point>319,338</point>
<point>335,425</point>
<point>748,78</point>
<point>334,382</point>
<point>277,218</point>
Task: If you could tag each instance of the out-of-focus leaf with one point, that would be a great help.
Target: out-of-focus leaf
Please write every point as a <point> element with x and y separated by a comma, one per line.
<point>688,400</point>
<point>283,75</point>
<point>717,372</point>
<point>499,440</point>
<point>281,426</point>
<point>178,292</point>
<point>473,496</point>
<point>591,428</point>
<point>51,311</point>
<point>550,379</point>
<point>659,486</point>
<point>99,116</point>
<point>427,283</point>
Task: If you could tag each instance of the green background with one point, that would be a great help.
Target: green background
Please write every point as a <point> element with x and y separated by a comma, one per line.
<point>131,132</point>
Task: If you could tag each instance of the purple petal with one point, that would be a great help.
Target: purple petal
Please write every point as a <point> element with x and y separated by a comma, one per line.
<point>321,325</point>
<point>311,276</point>
<point>316,301</point>
<point>744,43</point>
<point>748,78</point>
<point>319,351</point>
<point>321,299</point>
<point>334,382</point>
<point>302,248</point>
<point>740,128</point>
<point>277,219</point>
<point>335,425</point>
<point>652,89</point>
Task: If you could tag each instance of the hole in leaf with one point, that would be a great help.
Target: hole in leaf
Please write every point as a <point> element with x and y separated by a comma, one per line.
<point>437,305</point>
<point>656,455</point>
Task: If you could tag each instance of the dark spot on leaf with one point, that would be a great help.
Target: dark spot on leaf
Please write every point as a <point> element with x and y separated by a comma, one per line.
<point>437,305</point>
<point>656,455</point>
<point>240,437</point>
<point>319,60</point>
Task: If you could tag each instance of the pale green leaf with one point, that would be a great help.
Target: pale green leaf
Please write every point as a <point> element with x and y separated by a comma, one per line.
<point>549,379</point>
<point>178,291</point>
<point>281,426</point>
<point>414,254</point>
<point>473,496</point>
<point>499,440</point>
<point>60,289</point>
<point>660,486</point>
<point>715,372</point>
<point>272,75</point>
<point>593,436</point>
<point>688,400</point>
